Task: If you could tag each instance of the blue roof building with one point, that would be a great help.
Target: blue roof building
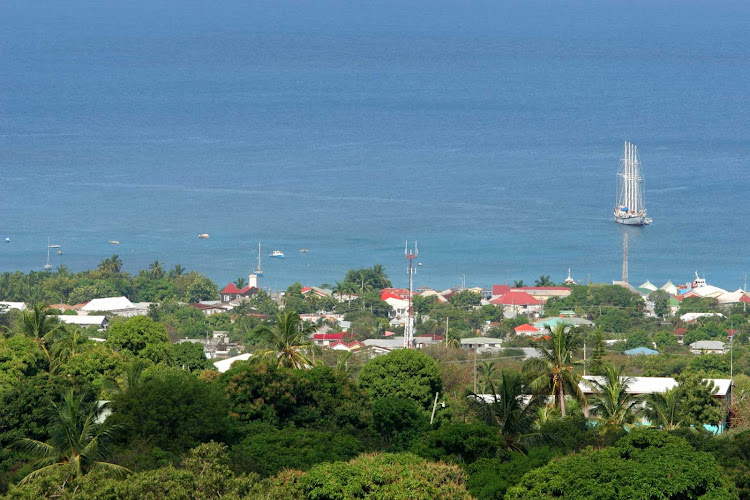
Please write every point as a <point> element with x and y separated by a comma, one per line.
<point>638,351</point>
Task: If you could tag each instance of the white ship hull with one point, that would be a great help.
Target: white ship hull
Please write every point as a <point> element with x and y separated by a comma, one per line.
<point>633,220</point>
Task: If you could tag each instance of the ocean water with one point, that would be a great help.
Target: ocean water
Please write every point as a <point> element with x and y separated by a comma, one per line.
<point>489,131</point>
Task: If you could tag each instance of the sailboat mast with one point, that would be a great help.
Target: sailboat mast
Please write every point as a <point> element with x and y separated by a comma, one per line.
<point>631,200</point>
<point>633,181</point>
<point>639,181</point>
<point>626,179</point>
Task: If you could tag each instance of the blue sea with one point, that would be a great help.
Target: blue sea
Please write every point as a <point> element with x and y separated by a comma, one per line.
<point>489,131</point>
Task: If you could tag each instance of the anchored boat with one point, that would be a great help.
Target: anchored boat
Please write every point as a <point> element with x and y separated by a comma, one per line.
<point>630,208</point>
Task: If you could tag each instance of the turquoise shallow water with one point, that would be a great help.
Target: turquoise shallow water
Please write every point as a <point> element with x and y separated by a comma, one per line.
<point>490,132</point>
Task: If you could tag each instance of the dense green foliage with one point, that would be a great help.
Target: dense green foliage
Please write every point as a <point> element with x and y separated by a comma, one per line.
<point>645,464</point>
<point>404,373</point>
<point>299,422</point>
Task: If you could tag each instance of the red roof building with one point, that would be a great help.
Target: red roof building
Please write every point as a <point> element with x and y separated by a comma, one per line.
<point>346,346</point>
<point>519,302</point>
<point>500,289</point>
<point>516,299</point>
<point>390,295</point>
<point>230,288</point>
<point>326,339</point>
<point>526,329</point>
<point>401,293</point>
<point>229,293</point>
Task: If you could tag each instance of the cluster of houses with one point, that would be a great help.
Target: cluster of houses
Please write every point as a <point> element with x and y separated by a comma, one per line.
<point>333,332</point>
<point>697,288</point>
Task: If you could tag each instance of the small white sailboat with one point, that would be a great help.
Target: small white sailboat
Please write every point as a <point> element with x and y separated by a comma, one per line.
<point>630,208</point>
<point>47,266</point>
<point>278,254</point>
<point>258,270</point>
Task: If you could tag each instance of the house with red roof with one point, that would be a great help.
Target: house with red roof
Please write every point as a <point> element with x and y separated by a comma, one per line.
<point>401,293</point>
<point>526,329</point>
<point>346,346</point>
<point>326,339</point>
<point>230,292</point>
<point>518,303</point>
<point>680,333</point>
<point>390,295</point>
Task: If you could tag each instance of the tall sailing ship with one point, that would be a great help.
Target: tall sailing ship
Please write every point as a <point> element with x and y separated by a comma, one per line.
<point>630,208</point>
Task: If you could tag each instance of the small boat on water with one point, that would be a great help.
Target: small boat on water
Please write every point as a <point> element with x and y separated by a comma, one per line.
<point>7,240</point>
<point>113,242</point>
<point>59,252</point>
<point>278,254</point>
<point>54,246</point>
<point>303,250</point>
<point>258,270</point>
<point>630,208</point>
<point>203,236</point>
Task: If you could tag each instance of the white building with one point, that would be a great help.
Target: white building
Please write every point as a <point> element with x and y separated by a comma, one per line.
<point>118,306</point>
<point>85,321</point>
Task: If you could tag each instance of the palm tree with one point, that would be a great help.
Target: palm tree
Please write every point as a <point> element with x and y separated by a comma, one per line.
<point>664,410</point>
<point>518,284</point>
<point>178,270</point>
<point>132,377</point>
<point>510,412</point>
<point>289,342</point>
<point>380,276</point>
<point>76,440</point>
<point>240,282</point>
<point>37,324</point>
<point>342,363</point>
<point>487,375</point>
<point>62,270</point>
<point>116,263</point>
<point>157,270</point>
<point>544,281</point>
<point>111,265</point>
<point>611,403</point>
<point>362,275</point>
<point>552,373</point>
<point>312,299</point>
<point>67,344</point>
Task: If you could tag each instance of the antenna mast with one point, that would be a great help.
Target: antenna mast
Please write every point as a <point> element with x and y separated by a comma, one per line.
<point>409,327</point>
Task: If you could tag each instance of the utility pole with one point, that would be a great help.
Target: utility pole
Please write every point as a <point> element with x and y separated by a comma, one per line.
<point>446,331</point>
<point>475,370</point>
<point>409,329</point>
